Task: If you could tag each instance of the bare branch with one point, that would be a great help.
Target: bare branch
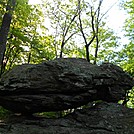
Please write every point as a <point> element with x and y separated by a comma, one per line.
<point>92,21</point>
<point>65,32</point>
<point>81,27</point>
<point>70,37</point>
<point>107,11</point>
<point>72,20</point>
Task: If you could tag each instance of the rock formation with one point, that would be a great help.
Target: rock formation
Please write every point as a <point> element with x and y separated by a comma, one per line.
<point>61,84</point>
<point>104,118</point>
<point>65,84</point>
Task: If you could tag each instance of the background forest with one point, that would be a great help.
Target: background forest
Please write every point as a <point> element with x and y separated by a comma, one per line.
<point>64,28</point>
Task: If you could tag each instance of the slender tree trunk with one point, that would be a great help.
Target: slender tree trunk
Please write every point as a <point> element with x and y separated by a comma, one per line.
<point>87,44</point>
<point>87,53</point>
<point>62,46</point>
<point>96,50</point>
<point>97,43</point>
<point>5,29</point>
<point>97,32</point>
<point>29,58</point>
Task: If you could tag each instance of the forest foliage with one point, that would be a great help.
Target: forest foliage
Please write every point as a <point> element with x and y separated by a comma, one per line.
<point>71,28</point>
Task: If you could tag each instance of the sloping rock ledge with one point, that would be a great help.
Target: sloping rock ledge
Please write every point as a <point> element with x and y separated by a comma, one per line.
<point>104,118</point>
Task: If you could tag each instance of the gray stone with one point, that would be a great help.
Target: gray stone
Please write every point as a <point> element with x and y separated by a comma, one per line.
<point>103,118</point>
<point>61,84</point>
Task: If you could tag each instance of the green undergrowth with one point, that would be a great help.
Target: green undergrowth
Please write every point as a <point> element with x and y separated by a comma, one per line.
<point>4,113</point>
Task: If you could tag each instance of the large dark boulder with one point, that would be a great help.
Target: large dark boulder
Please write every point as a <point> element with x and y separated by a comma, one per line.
<point>103,118</point>
<point>61,84</point>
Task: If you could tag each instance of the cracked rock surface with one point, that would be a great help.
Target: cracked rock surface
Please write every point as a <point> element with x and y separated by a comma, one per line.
<point>61,84</point>
<point>103,118</point>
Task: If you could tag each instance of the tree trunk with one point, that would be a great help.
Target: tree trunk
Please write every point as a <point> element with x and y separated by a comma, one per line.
<point>87,53</point>
<point>96,50</point>
<point>62,46</point>
<point>5,29</point>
